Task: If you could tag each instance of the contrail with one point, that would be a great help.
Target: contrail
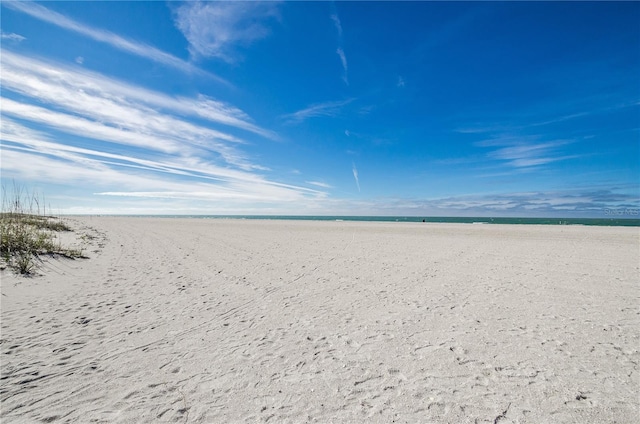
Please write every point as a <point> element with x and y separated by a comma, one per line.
<point>355,175</point>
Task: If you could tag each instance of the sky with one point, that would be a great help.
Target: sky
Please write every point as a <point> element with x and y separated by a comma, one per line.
<point>323,108</point>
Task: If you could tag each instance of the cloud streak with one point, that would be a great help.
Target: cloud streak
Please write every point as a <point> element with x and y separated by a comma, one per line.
<point>12,37</point>
<point>336,21</point>
<point>326,109</point>
<point>543,203</point>
<point>577,202</point>
<point>340,51</point>
<point>354,170</point>
<point>132,47</point>
<point>158,176</point>
<point>319,184</point>
<point>524,152</point>
<point>127,141</point>
<point>345,67</point>
<point>84,92</point>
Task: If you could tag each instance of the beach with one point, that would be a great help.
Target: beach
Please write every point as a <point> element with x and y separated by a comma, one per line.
<point>225,321</point>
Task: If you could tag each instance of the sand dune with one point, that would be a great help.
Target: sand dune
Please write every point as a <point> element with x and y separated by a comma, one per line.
<point>212,321</point>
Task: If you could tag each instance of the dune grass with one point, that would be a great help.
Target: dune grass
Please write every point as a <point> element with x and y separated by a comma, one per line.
<point>27,231</point>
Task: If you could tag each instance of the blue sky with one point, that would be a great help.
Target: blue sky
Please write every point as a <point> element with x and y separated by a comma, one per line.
<point>306,108</point>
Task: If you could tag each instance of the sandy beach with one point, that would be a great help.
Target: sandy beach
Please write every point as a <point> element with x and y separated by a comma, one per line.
<point>233,321</point>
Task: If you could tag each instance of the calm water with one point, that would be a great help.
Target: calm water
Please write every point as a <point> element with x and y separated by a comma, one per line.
<point>626,222</point>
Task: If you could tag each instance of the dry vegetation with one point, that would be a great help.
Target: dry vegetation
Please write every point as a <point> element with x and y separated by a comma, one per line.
<point>28,232</point>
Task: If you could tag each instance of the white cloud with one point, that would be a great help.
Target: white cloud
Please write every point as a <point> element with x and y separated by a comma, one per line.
<point>29,155</point>
<point>102,98</point>
<point>132,47</point>
<point>37,142</point>
<point>80,60</point>
<point>354,170</point>
<point>164,134</point>
<point>319,184</point>
<point>542,203</point>
<point>401,82</point>
<point>340,51</point>
<point>336,21</point>
<point>326,109</point>
<point>124,140</point>
<point>98,174</point>
<point>345,67</point>
<point>85,127</point>
<point>527,154</point>
<point>12,37</point>
<point>215,29</point>
<point>579,202</point>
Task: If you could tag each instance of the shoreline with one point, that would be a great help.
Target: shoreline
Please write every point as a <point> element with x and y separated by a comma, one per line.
<point>296,321</point>
<point>619,221</point>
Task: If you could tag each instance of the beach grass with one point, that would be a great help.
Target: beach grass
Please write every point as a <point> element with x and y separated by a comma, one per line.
<point>27,231</point>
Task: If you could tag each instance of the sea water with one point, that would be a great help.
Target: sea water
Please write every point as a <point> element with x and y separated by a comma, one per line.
<point>617,221</point>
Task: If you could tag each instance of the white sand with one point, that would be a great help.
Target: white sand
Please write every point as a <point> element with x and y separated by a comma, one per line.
<point>194,320</point>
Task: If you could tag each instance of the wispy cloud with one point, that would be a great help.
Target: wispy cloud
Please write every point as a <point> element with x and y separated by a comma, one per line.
<point>354,170</point>
<point>326,109</point>
<point>12,37</point>
<point>517,124</point>
<point>530,119</point>
<point>121,179</point>
<point>216,29</point>
<point>520,141</point>
<point>86,92</point>
<point>522,152</point>
<point>345,67</point>
<point>319,184</point>
<point>483,128</point>
<point>509,154</point>
<point>336,21</point>
<point>541,203</point>
<point>85,127</point>
<point>30,155</point>
<point>340,51</point>
<point>125,140</point>
<point>132,47</point>
<point>577,202</point>
<point>98,112</point>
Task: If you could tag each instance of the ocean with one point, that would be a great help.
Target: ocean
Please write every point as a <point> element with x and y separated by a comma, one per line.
<point>607,222</point>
